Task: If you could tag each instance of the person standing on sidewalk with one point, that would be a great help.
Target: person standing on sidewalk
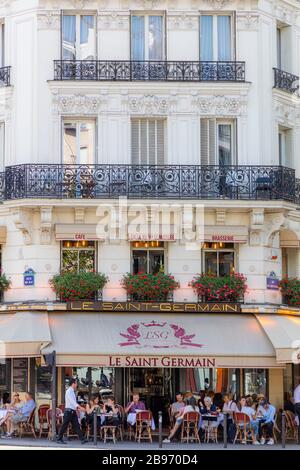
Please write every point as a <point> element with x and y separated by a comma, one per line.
<point>297,407</point>
<point>70,414</point>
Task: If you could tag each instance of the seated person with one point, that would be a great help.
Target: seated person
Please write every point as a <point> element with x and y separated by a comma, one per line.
<point>252,413</point>
<point>113,412</point>
<point>177,405</point>
<point>91,407</point>
<point>208,408</point>
<point>21,415</point>
<point>189,407</point>
<point>267,423</point>
<point>135,405</point>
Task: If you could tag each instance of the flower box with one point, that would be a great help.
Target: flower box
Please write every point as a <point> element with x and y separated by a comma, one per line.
<point>290,289</point>
<point>149,287</point>
<point>211,288</point>
<point>78,286</point>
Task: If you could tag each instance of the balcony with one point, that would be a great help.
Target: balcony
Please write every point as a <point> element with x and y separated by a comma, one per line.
<point>173,71</point>
<point>285,81</point>
<point>5,76</point>
<point>51,181</point>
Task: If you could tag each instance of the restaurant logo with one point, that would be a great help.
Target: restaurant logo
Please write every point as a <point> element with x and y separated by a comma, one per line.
<point>158,335</point>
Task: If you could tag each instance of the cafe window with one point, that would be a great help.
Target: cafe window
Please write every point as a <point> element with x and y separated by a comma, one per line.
<point>148,257</point>
<point>43,376</point>
<point>256,381</point>
<point>5,376</point>
<point>219,258</point>
<point>78,256</point>
<point>91,381</point>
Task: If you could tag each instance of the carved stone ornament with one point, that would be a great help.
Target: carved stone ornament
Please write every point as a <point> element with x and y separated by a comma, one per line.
<point>22,221</point>
<point>46,225</point>
<point>149,104</point>
<point>48,20</point>
<point>247,22</point>
<point>77,103</point>
<point>113,21</point>
<point>183,22</point>
<point>221,105</point>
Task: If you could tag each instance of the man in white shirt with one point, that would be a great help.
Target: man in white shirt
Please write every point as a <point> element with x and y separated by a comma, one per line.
<point>70,414</point>
<point>297,407</point>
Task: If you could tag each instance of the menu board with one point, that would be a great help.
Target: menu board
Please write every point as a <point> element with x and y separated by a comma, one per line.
<point>20,375</point>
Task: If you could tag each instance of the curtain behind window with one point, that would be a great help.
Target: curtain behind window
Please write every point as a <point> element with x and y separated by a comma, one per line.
<point>138,38</point>
<point>224,37</point>
<point>87,37</point>
<point>206,38</point>
<point>155,38</point>
<point>69,37</point>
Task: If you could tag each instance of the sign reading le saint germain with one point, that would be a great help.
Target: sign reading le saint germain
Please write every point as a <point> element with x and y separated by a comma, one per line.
<point>200,307</point>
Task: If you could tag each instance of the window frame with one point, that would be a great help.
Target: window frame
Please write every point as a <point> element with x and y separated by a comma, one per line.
<point>146,15</point>
<point>233,138</point>
<point>148,249</point>
<point>148,119</point>
<point>78,249</point>
<point>215,15</point>
<point>285,134</point>
<point>219,250</point>
<point>78,15</point>
<point>79,121</point>
<point>2,146</point>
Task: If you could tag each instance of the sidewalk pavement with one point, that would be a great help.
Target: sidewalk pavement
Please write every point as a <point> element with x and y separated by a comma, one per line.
<point>74,444</point>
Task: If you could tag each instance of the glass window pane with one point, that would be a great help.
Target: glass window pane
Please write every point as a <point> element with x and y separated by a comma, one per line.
<point>5,376</point>
<point>138,38</point>
<point>224,143</point>
<point>69,37</point>
<point>43,382</point>
<point>226,263</point>
<point>87,143</point>
<point>70,143</point>
<point>69,261</point>
<point>224,37</point>
<point>2,146</point>
<point>155,38</point>
<point>255,381</point>
<point>86,260</point>
<point>206,40</point>
<point>139,261</point>
<point>156,261</point>
<point>87,37</point>
<point>210,262</point>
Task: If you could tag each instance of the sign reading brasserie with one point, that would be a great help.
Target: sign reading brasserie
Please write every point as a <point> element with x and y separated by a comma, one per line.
<point>180,307</point>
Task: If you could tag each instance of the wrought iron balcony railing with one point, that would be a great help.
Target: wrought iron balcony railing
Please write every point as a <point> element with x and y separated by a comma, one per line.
<point>285,81</point>
<point>149,181</point>
<point>5,76</point>
<point>120,70</point>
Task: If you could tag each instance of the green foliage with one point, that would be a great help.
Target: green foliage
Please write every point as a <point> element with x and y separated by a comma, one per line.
<point>229,288</point>
<point>78,286</point>
<point>149,287</point>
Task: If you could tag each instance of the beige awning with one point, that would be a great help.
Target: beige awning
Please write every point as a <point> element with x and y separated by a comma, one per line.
<point>76,232</point>
<point>147,340</point>
<point>224,233</point>
<point>23,334</point>
<point>3,232</point>
<point>284,333</point>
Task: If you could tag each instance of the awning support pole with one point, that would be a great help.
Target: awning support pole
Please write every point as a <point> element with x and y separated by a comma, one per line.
<point>283,430</point>
<point>225,430</point>
<point>160,428</point>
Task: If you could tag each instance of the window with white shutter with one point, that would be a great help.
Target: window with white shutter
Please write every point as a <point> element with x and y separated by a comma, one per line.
<point>147,141</point>
<point>217,142</point>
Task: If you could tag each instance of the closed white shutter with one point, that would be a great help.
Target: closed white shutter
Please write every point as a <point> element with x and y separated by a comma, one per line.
<point>207,141</point>
<point>147,141</point>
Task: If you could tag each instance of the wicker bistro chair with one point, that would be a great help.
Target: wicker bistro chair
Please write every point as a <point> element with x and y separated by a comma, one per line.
<point>42,416</point>
<point>189,427</point>
<point>120,428</point>
<point>143,424</point>
<point>291,428</point>
<point>59,418</point>
<point>27,426</point>
<point>243,427</point>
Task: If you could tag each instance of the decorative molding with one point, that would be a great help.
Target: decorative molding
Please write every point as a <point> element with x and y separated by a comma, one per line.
<point>48,21</point>
<point>79,215</point>
<point>287,114</point>
<point>113,21</point>
<point>221,105</point>
<point>148,4</point>
<point>46,225</point>
<point>218,4</point>
<point>183,22</point>
<point>247,22</point>
<point>21,219</point>
<point>220,216</point>
<point>149,104</point>
<point>284,14</point>
<point>257,217</point>
<point>78,103</point>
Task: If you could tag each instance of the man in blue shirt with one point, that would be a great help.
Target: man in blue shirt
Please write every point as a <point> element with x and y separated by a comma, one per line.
<point>267,423</point>
<point>21,415</point>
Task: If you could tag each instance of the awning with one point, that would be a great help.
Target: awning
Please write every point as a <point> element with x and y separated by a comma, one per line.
<point>135,340</point>
<point>284,333</point>
<point>23,334</point>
